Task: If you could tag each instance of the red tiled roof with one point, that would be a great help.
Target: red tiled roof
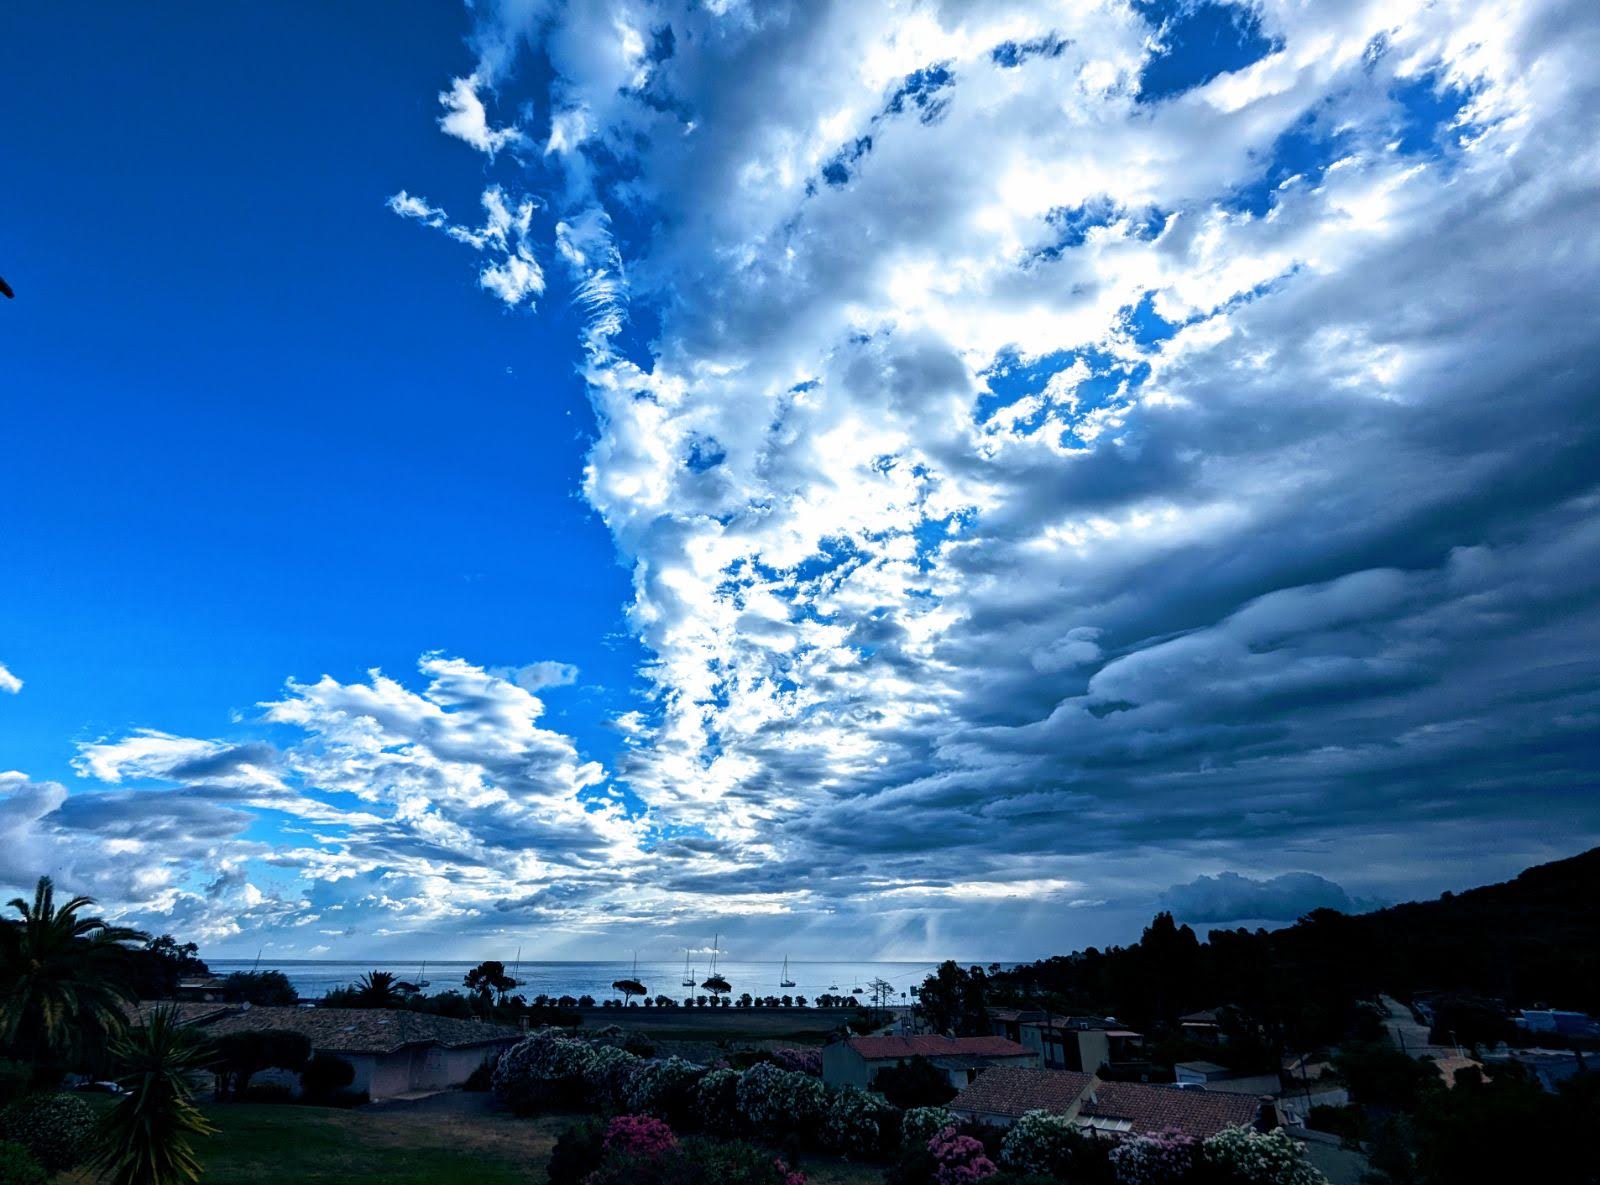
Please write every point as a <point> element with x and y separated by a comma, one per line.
<point>1145,1109</point>
<point>364,1030</point>
<point>1150,1109</point>
<point>877,1049</point>
<point>1015,1092</point>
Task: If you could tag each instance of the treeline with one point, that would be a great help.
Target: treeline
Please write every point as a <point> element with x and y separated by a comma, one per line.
<point>1532,940</point>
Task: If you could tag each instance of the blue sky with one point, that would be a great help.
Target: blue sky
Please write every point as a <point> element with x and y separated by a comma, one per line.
<point>860,478</point>
<point>258,429</point>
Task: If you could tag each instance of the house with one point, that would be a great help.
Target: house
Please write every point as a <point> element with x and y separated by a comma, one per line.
<point>1081,1043</point>
<point>1204,1026</point>
<point>1221,1080</point>
<point>1551,1067</point>
<point>1002,1096</point>
<point>393,1051</point>
<point>857,1060</point>
<point>1555,1020</point>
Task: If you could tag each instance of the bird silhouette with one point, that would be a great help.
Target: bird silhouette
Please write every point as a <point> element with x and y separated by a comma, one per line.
<point>6,288</point>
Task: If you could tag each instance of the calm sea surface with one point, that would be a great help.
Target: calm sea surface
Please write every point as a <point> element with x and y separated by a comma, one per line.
<point>313,977</point>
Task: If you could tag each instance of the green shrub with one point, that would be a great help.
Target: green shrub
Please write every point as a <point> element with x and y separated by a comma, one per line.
<point>914,1083</point>
<point>325,1075</point>
<point>543,1070</point>
<point>859,1124</point>
<point>54,1128</point>
<point>482,1078</point>
<point>608,1077</point>
<point>14,1079</point>
<point>577,1152</point>
<point>666,1089</point>
<point>17,1167</point>
<point>717,1101</point>
<point>775,1102</point>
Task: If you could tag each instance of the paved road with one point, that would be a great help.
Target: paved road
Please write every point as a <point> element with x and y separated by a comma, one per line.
<point>1409,1036</point>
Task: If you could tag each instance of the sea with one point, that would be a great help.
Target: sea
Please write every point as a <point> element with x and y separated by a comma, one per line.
<point>313,978</point>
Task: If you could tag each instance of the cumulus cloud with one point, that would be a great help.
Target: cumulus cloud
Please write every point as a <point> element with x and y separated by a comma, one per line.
<point>1230,897</point>
<point>8,681</point>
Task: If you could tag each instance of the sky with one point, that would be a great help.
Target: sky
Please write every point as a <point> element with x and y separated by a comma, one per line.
<point>867,480</point>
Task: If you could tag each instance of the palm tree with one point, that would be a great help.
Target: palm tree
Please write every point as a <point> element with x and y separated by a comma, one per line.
<point>378,989</point>
<point>62,981</point>
<point>144,1138</point>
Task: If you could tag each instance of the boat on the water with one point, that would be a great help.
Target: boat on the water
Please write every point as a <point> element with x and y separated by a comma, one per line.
<point>785,981</point>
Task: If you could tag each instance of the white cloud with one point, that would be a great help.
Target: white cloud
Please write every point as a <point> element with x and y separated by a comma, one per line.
<point>513,273</point>
<point>8,681</point>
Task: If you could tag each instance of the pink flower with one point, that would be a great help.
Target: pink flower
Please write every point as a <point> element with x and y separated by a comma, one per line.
<point>961,1159</point>
<point>641,1135</point>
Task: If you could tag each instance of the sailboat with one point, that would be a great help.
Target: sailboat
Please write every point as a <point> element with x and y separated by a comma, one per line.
<point>785,981</point>
<point>688,971</point>
<point>715,983</point>
<point>422,976</point>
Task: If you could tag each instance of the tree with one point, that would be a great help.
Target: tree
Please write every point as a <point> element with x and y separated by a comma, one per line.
<point>953,1000</point>
<point>914,1083</point>
<point>158,966</point>
<point>238,1056</point>
<point>489,977</point>
<point>325,1075</point>
<point>145,1138</point>
<point>630,988</point>
<point>63,982</point>
<point>377,989</point>
<point>262,988</point>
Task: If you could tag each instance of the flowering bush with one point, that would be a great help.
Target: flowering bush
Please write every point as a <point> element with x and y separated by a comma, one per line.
<point>608,1076</point>
<point>717,1101</point>
<point>1240,1156</point>
<point>542,1070</point>
<point>639,1135</point>
<point>1040,1142</point>
<point>1161,1159</point>
<point>960,1159</point>
<point>774,1100</point>
<point>665,1089</point>
<point>799,1061</point>
<point>54,1128</point>
<point>921,1124</point>
<point>857,1123</point>
<point>692,1162</point>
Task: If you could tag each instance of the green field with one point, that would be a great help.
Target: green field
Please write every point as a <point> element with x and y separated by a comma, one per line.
<point>446,1145</point>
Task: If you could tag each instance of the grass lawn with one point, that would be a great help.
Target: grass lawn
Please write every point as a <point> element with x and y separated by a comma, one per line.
<point>257,1144</point>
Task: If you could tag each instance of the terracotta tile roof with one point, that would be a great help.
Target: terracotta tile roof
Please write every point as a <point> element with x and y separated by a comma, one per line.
<point>1132,1107</point>
<point>877,1049</point>
<point>364,1030</point>
<point>1014,1092</point>
<point>189,1012</point>
<point>1149,1109</point>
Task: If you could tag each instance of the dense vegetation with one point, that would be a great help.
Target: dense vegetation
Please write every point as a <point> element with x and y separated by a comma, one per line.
<point>1532,940</point>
